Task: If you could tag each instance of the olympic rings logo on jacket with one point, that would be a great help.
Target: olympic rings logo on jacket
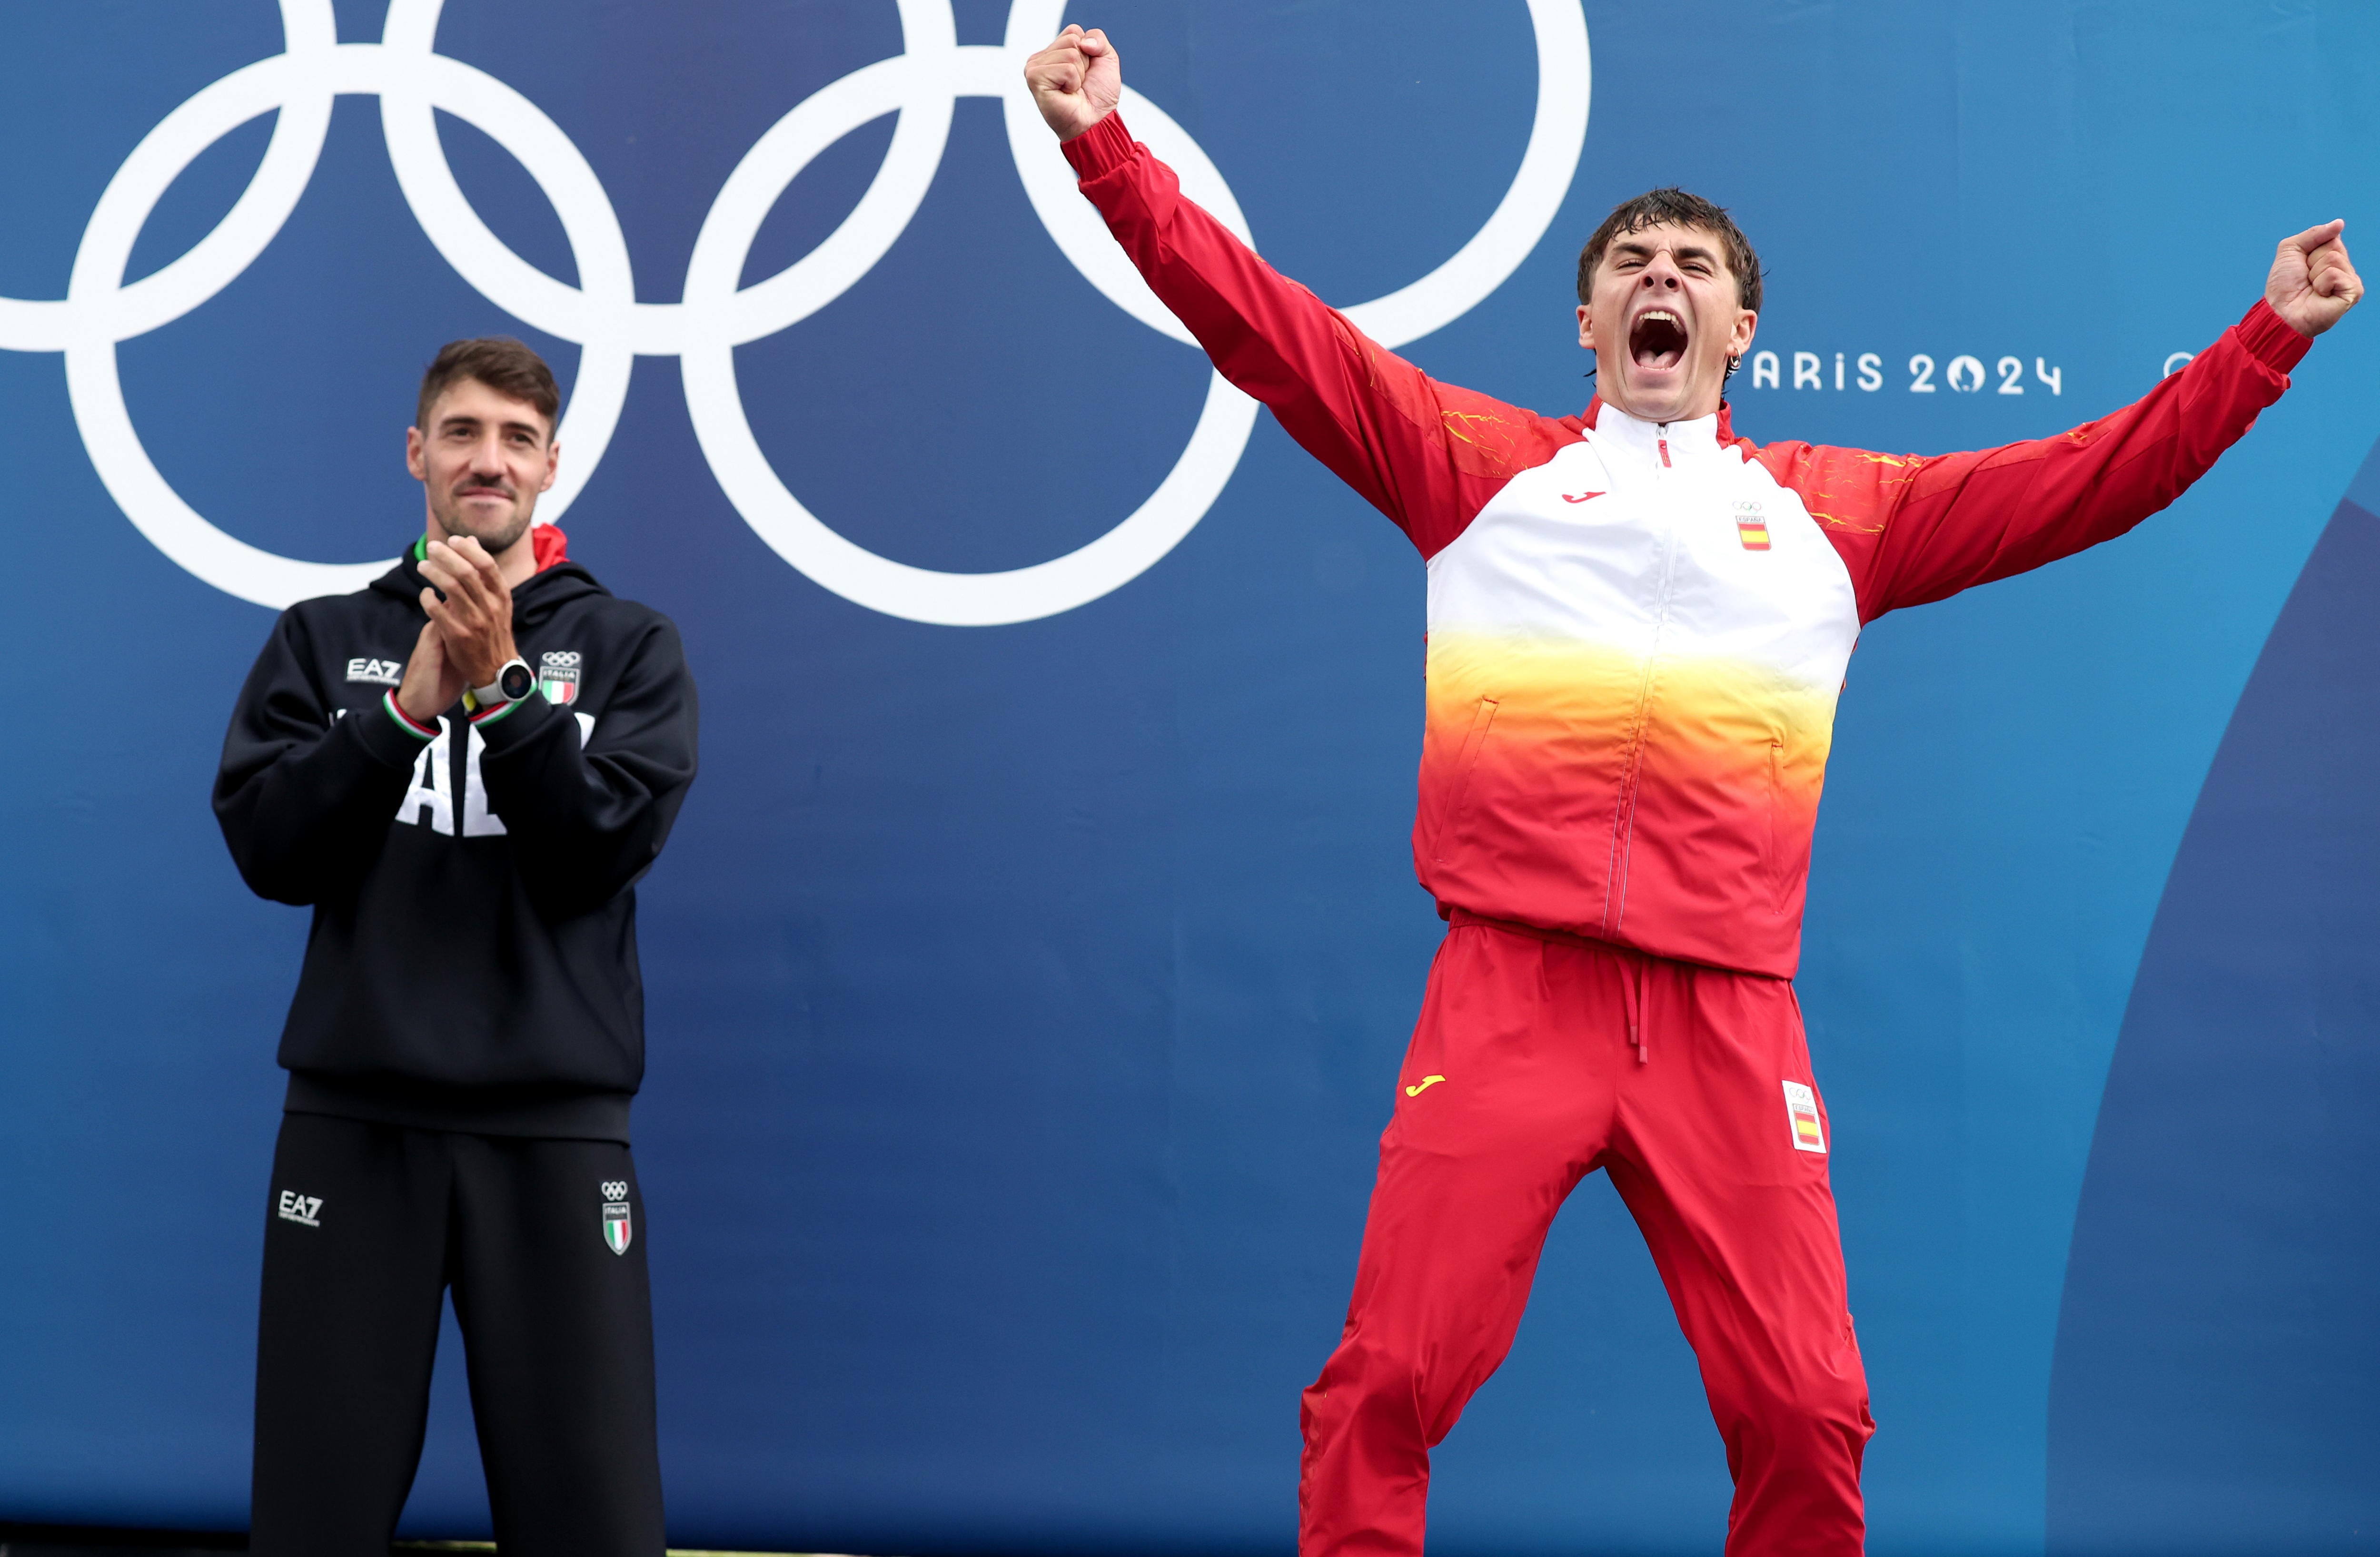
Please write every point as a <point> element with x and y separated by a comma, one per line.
<point>714,314</point>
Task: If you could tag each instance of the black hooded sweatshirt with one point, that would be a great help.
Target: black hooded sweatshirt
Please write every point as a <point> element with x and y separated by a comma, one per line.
<point>473,960</point>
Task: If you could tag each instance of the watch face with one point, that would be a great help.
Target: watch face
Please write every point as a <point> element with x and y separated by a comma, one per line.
<point>517,681</point>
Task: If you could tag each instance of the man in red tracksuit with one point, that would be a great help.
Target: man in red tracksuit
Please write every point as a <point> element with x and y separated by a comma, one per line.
<point>1638,625</point>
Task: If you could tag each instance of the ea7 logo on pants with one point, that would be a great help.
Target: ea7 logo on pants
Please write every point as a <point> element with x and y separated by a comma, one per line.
<point>301,1208</point>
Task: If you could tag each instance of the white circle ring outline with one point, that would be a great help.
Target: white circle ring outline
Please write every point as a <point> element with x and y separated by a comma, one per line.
<point>302,82</point>
<point>707,362</point>
<point>602,317</point>
<point>714,402</point>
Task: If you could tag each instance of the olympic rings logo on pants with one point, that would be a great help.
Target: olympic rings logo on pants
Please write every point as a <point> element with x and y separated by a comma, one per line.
<point>715,314</point>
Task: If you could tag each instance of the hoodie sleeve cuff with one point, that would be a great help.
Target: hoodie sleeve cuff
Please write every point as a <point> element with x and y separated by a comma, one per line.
<point>393,737</point>
<point>1100,150</point>
<point>508,724</point>
<point>2270,339</point>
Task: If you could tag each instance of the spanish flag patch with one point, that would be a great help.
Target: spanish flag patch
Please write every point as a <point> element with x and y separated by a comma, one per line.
<point>1752,530</point>
<point>1801,1118</point>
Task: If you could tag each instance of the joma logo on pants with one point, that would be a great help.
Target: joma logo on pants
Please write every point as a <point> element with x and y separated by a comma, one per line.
<point>301,1208</point>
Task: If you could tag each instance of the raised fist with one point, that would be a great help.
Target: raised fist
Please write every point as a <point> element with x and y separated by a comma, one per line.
<point>2313,283</point>
<point>1075,81</point>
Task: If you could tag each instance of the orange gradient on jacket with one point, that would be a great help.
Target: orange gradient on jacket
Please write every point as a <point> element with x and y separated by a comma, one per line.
<point>1582,786</point>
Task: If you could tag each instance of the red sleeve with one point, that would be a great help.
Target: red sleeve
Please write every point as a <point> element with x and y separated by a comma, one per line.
<point>1915,527</point>
<point>1427,455</point>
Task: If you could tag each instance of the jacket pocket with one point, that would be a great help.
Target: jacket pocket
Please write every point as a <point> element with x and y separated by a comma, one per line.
<point>1458,789</point>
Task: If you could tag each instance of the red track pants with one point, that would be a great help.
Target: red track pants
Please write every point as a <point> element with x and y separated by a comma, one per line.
<point>1538,1059</point>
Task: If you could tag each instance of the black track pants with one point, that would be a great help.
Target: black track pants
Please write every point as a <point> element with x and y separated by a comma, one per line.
<point>365,1226</point>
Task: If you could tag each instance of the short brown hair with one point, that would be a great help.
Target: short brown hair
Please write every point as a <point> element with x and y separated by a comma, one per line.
<point>1674,208</point>
<point>500,362</point>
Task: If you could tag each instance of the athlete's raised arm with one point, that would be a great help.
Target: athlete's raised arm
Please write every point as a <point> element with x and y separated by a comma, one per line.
<point>1077,81</point>
<point>1915,528</point>
<point>1427,455</point>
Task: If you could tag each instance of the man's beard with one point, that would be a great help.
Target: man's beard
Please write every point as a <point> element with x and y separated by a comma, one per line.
<point>450,518</point>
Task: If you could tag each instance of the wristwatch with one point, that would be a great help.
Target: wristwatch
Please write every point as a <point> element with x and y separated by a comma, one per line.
<point>513,682</point>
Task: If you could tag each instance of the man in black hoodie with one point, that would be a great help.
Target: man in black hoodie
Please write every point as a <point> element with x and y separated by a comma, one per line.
<point>463,770</point>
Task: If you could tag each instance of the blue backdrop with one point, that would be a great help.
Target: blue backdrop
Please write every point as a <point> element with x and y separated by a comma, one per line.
<point>1026,999</point>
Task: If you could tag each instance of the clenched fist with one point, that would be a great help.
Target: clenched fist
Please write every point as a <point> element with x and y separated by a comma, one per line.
<point>1075,81</point>
<point>2313,283</point>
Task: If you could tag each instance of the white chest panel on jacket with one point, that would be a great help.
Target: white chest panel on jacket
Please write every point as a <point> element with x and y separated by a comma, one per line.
<point>1703,556</point>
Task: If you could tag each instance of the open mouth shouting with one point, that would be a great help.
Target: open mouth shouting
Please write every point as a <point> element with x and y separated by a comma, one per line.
<point>1658,339</point>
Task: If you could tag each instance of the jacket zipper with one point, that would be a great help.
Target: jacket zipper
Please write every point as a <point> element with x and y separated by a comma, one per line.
<point>1615,892</point>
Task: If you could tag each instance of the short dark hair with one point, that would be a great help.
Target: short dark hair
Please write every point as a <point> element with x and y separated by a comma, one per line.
<point>500,362</point>
<point>1674,208</point>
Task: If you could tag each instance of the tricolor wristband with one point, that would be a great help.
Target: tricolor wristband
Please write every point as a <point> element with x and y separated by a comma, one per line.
<point>406,722</point>
<point>489,714</point>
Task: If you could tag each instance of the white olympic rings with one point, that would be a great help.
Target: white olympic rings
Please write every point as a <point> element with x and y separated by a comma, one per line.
<point>715,314</point>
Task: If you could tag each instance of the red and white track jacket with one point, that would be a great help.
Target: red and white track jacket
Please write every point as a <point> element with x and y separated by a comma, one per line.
<point>1638,633</point>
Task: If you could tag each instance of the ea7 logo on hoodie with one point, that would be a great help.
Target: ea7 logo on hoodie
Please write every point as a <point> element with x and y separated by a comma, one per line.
<point>379,672</point>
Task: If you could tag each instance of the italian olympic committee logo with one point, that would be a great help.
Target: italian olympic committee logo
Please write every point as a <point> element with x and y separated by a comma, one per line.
<point>715,314</point>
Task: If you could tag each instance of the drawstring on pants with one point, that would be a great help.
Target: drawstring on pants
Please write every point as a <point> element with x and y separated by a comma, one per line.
<point>1635,966</point>
<point>1631,994</point>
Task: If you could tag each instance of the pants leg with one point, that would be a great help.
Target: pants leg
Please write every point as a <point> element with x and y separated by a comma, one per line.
<point>558,1330</point>
<point>354,1265</point>
<point>1741,1222</point>
<point>1502,1107</point>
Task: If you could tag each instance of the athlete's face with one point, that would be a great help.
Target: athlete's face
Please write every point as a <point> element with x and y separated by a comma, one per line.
<point>1663,323</point>
<point>482,459</point>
